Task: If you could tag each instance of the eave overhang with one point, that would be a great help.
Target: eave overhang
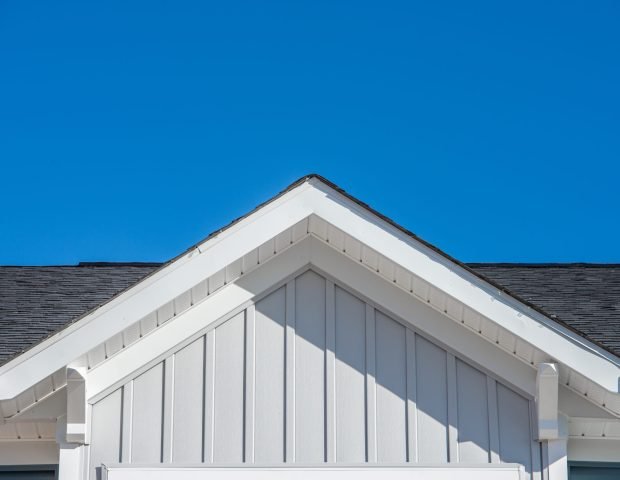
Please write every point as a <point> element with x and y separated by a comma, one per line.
<point>351,227</point>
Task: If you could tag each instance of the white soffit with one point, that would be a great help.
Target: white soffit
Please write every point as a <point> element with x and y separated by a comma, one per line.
<point>396,254</point>
<point>594,428</point>
<point>27,431</point>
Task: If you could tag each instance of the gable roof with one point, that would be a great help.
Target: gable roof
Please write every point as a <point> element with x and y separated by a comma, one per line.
<point>315,197</point>
<point>38,301</point>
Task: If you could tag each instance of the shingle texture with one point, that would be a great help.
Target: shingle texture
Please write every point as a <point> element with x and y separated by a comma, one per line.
<point>584,296</point>
<point>36,302</point>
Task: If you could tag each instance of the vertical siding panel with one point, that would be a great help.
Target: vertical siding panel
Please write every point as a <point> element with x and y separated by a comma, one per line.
<point>493,420</point>
<point>391,390</point>
<point>330,371</point>
<point>289,406</point>
<point>310,368</point>
<point>371,387</point>
<point>209,397</point>
<point>473,414</point>
<point>228,443</point>
<point>312,374</point>
<point>168,419</point>
<point>106,432</point>
<point>432,402</point>
<point>146,441</point>
<point>412,423</point>
<point>514,428</point>
<point>127,422</point>
<point>453,445</point>
<point>250,382</point>
<point>350,378</point>
<point>188,403</point>
<point>269,430</point>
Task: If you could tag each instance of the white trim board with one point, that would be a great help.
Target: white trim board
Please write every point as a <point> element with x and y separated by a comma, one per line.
<point>315,200</point>
<point>507,471</point>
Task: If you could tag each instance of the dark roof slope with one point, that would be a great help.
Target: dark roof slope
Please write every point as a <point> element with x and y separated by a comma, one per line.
<point>36,302</point>
<point>584,296</point>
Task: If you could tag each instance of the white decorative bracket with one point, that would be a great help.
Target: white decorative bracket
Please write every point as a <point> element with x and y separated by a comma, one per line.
<point>76,405</point>
<point>547,401</point>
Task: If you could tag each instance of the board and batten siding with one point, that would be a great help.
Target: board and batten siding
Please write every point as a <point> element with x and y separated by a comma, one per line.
<point>312,374</point>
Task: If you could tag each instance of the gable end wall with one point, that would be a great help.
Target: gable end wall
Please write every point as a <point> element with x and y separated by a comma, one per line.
<point>311,373</point>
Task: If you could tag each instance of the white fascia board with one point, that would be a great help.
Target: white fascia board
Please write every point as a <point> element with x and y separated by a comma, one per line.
<point>146,296</point>
<point>560,343</point>
<point>194,321</point>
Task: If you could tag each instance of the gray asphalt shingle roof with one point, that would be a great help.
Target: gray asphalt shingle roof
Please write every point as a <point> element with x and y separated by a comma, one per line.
<point>586,297</point>
<point>36,302</point>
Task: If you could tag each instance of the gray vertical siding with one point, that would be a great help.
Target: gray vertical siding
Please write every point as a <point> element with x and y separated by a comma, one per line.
<point>147,416</point>
<point>472,415</point>
<point>391,390</point>
<point>310,368</point>
<point>310,374</point>
<point>350,368</point>
<point>106,431</point>
<point>228,427</point>
<point>432,401</point>
<point>269,367</point>
<point>188,388</point>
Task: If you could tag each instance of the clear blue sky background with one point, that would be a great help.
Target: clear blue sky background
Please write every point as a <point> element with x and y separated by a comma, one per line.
<point>130,130</point>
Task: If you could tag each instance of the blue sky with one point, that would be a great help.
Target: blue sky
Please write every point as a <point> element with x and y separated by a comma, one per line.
<point>130,130</point>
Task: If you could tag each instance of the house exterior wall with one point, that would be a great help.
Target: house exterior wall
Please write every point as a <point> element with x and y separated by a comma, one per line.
<point>311,373</point>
